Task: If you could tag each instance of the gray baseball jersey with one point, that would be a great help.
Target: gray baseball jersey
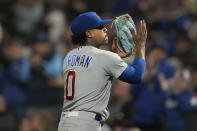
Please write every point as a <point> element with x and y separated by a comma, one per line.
<point>88,72</point>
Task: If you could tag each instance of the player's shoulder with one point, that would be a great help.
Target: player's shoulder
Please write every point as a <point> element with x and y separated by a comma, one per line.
<point>72,51</point>
<point>93,51</point>
<point>105,53</point>
<point>108,55</point>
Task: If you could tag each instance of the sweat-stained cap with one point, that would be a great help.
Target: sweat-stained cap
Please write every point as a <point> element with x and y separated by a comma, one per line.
<point>87,21</point>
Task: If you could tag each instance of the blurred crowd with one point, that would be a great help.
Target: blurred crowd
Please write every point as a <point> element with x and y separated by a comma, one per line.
<point>35,36</point>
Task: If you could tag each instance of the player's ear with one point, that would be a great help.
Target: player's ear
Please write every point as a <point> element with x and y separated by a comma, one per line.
<point>88,34</point>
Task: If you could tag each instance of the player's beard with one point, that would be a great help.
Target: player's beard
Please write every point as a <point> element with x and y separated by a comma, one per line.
<point>104,42</point>
<point>101,42</point>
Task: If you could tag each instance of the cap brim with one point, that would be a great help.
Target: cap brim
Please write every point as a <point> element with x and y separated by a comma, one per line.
<point>100,23</point>
<point>103,22</point>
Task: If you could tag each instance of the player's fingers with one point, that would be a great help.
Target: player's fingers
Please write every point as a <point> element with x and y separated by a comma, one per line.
<point>140,29</point>
<point>144,30</point>
<point>122,55</point>
<point>145,27</point>
<point>113,47</point>
<point>133,32</point>
<point>118,51</point>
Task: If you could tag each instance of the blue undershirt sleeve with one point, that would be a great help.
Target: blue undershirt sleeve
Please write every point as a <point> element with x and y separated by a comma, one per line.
<point>135,73</point>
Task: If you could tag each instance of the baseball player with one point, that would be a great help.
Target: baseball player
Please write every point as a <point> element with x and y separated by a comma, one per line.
<point>88,72</point>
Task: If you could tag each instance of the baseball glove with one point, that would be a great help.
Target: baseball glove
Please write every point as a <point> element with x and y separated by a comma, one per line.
<point>123,38</point>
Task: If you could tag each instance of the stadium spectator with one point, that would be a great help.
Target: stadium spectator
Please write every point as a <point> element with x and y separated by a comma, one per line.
<point>42,121</point>
<point>191,117</point>
<point>178,102</point>
<point>149,98</point>
<point>15,77</point>
<point>7,120</point>
<point>25,124</point>
<point>45,73</point>
<point>28,14</point>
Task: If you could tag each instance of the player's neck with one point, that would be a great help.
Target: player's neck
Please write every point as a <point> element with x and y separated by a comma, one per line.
<point>97,46</point>
<point>91,42</point>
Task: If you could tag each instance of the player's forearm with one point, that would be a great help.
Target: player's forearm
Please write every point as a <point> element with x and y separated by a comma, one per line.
<point>134,73</point>
<point>140,52</point>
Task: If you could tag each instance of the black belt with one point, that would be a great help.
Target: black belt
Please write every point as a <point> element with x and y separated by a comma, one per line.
<point>98,117</point>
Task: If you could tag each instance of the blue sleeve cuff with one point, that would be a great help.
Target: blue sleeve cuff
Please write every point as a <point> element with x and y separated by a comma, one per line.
<point>135,73</point>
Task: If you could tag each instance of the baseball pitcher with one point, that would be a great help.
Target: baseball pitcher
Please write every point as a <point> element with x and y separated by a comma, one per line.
<point>88,72</point>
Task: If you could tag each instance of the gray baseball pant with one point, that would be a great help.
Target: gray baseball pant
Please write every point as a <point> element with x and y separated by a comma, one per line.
<point>79,121</point>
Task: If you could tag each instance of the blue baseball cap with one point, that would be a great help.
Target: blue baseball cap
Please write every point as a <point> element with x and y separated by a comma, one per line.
<point>87,21</point>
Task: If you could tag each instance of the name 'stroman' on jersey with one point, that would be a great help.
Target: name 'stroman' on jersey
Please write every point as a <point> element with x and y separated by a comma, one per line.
<point>78,60</point>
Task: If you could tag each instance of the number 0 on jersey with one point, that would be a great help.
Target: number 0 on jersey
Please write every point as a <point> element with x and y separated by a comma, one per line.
<point>70,85</point>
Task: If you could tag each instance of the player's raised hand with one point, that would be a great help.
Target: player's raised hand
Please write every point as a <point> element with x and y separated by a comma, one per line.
<point>140,36</point>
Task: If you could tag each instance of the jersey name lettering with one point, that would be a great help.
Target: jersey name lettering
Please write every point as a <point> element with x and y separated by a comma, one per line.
<point>78,60</point>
